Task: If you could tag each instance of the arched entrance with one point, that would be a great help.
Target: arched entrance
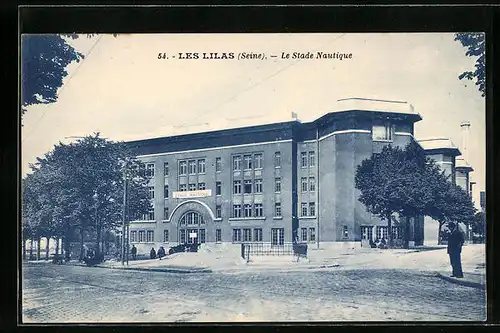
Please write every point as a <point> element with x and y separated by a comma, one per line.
<point>191,228</point>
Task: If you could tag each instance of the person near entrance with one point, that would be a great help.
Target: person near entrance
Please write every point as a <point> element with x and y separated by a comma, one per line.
<point>161,252</point>
<point>456,240</point>
<point>133,250</point>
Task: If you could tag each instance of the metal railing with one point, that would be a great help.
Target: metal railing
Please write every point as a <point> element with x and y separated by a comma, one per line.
<point>268,249</point>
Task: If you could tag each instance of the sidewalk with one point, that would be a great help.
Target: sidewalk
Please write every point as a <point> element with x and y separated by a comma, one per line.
<point>473,280</point>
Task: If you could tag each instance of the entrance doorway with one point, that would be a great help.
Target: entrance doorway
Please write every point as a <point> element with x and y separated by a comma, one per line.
<point>192,228</point>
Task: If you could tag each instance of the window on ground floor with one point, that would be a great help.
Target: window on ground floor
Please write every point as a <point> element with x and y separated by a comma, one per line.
<point>257,235</point>
<point>382,232</point>
<point>345,232</point>
<point>304,234</point>
<point>312,234</point>
<point>202,236</point>
<point>236,235</point>
<point>133,236</point>
<point>165,236</point>
<point>218,235</point>
<point>247,235</point>
<point>142,235</point>
<point>150,236</point>
<point>397,232</point>
<point>277,236</point>
<point>367,232</point>
<point>182,236</point>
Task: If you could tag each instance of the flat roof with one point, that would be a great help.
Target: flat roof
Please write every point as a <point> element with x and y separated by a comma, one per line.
<point>374,105</point>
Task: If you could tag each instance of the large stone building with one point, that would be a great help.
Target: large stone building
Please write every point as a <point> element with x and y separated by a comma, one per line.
<point>274,182</point>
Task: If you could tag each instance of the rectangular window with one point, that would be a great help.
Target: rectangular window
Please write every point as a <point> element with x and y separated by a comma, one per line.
<point>192,187</point>
<point>218,188</point>
<point>258,186</point>
<point>182,167</point>
<point>150,170</point>
<point>303,159</point>
<point>247,235</point>
<point>201,186</point>
<point>165,191</point>
<point>192,167</point>
<point>236,235</point>
<point>312,209</point>
<point>257,235</point>
<point>367,232</point>
<point>277,236</point>
<point>183,236</point>
<point>236,163</point>
<point>277,159</point>
<point>397,232</point>
<point>165,169</point>
<point>202,236</point>
<point>201,166</point>
<point>248,162</point>
<point>236,210</point>
<point>345,232</point>
<point>218,235</point>
<point>382,132</point>
<point>312,234</point>
<point>258,161</point>
<point>304,234</point>
<point>218,164</point>
<point>312,184</point>
<point>133,236</point>
<point>218,211</point>
<point>248,186</point>
<point>304,184</point>
<point>237,186</point>
<point>304,209</point>
<point>150,236</point>
<point>248,210</point>
<point>165,213</point>
<point>165,236</point>
<point>277,185</point>
<point>277,209</point>
<point>151,191</point>
<point>258,210</point>
<point>312,160</point>
<point>150,215</point>
<point>182,187</point>
<point>142,236</point>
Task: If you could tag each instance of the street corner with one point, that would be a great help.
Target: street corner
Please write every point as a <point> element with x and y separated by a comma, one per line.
<point>473,280</point>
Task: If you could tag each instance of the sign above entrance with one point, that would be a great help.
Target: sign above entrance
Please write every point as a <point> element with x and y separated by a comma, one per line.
<point>193,235</point>
<point>191,194</point>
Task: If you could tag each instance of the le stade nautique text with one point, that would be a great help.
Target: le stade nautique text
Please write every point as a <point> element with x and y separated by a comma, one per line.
<point>257,56</point>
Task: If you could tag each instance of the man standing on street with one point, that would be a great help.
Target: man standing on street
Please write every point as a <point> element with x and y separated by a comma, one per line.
<point>455,241</point>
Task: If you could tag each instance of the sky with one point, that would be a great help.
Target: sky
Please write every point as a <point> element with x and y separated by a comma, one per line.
<point>123,90</point>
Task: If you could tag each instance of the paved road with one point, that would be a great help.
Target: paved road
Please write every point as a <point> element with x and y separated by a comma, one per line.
<point>53,293</point>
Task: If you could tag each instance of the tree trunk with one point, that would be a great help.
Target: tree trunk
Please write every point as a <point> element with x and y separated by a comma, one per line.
<point>38,248</point>
<point>407,233</point>
<point>81,244</point>
<point>47,248</point>
<point>439,232</point>
<point>389,230</point>
<point>31,248</point>
<point>24,248</point>
<point>98,242</point>
<point>57,245</point>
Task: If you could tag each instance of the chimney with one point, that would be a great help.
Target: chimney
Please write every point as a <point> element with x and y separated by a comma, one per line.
<point>465,139</point>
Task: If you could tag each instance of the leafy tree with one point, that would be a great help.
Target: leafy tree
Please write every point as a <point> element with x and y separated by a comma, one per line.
<point>475,44</point>
<point>44,59</point>
<point>84,187</point>
<point>479,225</point>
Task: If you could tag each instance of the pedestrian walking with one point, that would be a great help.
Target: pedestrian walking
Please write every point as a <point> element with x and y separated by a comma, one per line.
<point>152,254</point>
<point>161,252</point>
<point>455,242</point>
<point>133,250</point>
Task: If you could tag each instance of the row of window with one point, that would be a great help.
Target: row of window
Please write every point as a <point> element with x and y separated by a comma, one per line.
<point>142,236</point>
<point>307,159</point>
<point>308,209</point>
<point>247,235</point>
<point>308,184</point>
<point>248,210</point>
<point>311,234</point>
<point>382,232</point>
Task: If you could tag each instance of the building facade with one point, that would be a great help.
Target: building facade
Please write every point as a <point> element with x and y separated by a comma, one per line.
<point>271,183</point>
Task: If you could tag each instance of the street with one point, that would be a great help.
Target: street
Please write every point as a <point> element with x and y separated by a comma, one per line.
<point>64,293</point>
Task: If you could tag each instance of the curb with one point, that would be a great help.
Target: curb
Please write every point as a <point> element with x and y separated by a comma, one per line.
<point>466,283</point>
<point>165,270</point>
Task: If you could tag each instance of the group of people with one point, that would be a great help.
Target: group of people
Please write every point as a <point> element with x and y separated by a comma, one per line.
<point>160,254</point>
<point>378,243</point>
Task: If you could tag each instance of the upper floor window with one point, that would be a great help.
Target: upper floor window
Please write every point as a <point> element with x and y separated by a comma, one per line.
<point>150,170</point>
<point>165,213</point>
<point>248,162</point>
<point>165,191</point>
<point>165,168</point>
<point>182,187</point>
<point>382,132</point>
<point>312,159</point>
<point>236,163</point>
<point>192,187</point>
<point>236,210</point>
<point>192,167</point>
<point>218,188</point>
<point>151,191</point>
<point>277,159</point>
<point>304,184</point>
<point>258,210</point>
<point>202,186</point>
<point>303,159</point>
<point>277,209</point>
<point>218,164</point>
<point>248,186</point>
<point>218,211</point>
<point>248,210</point>
<point>312,184</point>
<point>201,166</point>
<point>277,184</point>
<point>304,209</point>
<point>258,186</point>
<point>312,209</point>
<point>237,187</point>
<point>182,167</point>
<point>258,161</point>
